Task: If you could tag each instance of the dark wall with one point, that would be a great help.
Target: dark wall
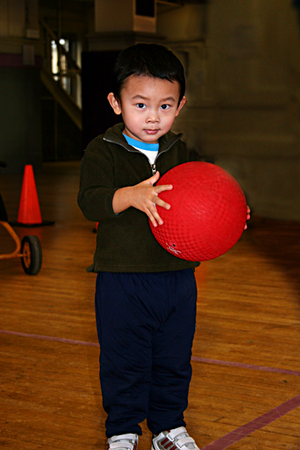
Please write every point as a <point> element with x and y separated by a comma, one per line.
<point>61,138</point>
<point>20,118</point>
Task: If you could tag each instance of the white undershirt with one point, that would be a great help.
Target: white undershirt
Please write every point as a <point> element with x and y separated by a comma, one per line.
<point>150,150</point>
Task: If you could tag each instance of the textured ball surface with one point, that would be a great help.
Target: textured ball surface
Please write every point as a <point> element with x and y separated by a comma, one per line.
<point>208,212</point>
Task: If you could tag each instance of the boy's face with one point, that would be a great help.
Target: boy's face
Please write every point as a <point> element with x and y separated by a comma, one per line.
<point>148,106</point>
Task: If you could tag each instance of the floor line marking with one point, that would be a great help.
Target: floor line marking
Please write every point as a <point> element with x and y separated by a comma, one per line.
<point>50,338</point>
<point>246,366</point>
<point>235,435</point>
<point>194,358</point>
<point>256,424</point>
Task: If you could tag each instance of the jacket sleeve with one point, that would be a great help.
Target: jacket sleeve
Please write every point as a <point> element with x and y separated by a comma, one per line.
<point>97,188</point>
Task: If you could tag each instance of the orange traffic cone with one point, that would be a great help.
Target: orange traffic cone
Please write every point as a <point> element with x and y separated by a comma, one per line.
<point>29,214</point>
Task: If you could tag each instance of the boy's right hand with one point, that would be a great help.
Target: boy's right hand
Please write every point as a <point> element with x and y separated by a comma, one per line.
<point>142,196</point>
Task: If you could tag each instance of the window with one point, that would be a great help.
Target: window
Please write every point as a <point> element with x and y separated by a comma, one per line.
<point>59,63</point>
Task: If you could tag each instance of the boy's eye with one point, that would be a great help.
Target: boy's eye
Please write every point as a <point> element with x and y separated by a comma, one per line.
<point>140,105</point>
<point>165,106</point>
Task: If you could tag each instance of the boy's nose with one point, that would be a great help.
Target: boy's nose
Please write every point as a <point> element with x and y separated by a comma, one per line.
<point>152,117</point>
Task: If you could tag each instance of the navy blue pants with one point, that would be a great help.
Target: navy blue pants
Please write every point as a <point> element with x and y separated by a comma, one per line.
<point>146,326</point>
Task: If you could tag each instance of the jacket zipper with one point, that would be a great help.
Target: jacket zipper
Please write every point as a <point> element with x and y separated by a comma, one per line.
<point>153,166</point>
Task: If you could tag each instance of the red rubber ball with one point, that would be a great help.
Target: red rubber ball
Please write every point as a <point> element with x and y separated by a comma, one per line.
<point>207,215</point>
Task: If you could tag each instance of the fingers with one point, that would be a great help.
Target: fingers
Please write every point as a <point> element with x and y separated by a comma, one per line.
<point>162,188</point>
<point>145,197</point>
<point>155,200</point>
<point>154,217</point>
<point>152,211</point>
<point>248,217</point>
<point>154,178</point>
<point>248,212</point>
<point>159,188</point>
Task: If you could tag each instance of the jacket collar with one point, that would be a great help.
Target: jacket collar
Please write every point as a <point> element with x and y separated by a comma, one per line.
<point>114,135</point>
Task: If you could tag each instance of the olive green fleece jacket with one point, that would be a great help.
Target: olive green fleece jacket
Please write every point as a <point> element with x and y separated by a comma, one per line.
<point>125,242</point>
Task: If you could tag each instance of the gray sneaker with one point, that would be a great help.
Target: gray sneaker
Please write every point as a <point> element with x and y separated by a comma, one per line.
<point>123,442</point>
<point>176,439</point>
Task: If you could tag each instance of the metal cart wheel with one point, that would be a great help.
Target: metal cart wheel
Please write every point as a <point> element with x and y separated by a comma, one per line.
<point>31,254</point>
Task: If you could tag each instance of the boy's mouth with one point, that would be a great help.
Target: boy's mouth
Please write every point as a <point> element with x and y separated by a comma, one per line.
<point>151,131</point>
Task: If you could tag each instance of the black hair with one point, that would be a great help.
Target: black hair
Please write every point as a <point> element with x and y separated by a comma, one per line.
<point>148,59</point>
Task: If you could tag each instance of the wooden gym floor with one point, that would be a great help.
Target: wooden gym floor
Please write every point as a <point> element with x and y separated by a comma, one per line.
<point>245,391</point>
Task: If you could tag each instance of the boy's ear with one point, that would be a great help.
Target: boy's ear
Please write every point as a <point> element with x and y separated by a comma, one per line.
<point>114,103</point>
<point>181,105</point>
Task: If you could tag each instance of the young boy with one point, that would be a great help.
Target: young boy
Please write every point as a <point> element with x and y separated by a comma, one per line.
<point>145,297</point>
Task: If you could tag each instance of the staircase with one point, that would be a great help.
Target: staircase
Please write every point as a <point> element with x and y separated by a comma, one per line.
<point>62,97</point>
<point>54,81</point>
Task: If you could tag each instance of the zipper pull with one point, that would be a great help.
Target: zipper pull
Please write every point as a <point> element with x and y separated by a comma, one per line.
<point>153,168</point>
